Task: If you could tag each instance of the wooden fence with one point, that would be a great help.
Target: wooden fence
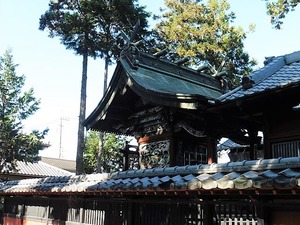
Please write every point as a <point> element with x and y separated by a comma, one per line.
<point>116,211</point>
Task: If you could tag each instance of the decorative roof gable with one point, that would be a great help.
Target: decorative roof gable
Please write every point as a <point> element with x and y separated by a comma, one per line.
<point>141,79</point>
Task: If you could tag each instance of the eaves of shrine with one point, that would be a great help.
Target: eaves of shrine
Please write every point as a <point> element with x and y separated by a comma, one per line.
<point>142,81</point>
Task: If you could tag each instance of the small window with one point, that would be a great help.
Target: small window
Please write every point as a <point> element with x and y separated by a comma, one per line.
<point>195,154</point>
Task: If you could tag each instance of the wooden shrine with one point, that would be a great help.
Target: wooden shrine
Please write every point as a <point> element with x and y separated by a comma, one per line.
<point>163,105</point>
<point>177,115</point>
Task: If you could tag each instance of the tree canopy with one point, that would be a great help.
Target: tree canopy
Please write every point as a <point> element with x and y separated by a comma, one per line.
<point>111,17</point>
<point>16,106</point>
<point>111,157</point>
<point>204,33</point>
<point>278,10</point>
<point>91,28</point>
<point>71,21</point>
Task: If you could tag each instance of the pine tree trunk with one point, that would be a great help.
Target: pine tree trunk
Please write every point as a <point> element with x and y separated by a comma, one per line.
<point>80,140</point>
<point>99,157</point>
<point>101,143</point>
<point>105,74</point>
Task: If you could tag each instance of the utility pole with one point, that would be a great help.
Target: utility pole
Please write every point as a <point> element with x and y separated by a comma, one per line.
<point>60,136</point>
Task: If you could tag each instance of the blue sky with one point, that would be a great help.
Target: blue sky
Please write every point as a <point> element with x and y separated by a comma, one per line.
<point>55,73</point>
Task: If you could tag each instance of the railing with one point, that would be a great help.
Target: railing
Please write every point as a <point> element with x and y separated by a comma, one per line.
<point>286,149</point>
<point>236,214</point>
<point>196,155</point>
<point>238,221</point>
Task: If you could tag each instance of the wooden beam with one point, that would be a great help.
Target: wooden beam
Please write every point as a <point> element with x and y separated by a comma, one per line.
<point>211,150</point>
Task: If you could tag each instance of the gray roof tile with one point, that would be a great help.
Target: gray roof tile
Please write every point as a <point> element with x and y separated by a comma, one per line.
<point>193,184</point>
<point>269,174</point>
<point>69,165</point>
<point>281,72</point>
<point>209,184</point>
<point>250,175</point>
<point>37,169</point>
<point>274,174</point>
<point>225,183</point>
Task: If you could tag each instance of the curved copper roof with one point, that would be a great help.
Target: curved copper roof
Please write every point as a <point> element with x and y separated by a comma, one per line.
<point>141,77</point>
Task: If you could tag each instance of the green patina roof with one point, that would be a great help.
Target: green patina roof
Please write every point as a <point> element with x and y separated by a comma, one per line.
<point>143,77</point>
<point>161,77</point>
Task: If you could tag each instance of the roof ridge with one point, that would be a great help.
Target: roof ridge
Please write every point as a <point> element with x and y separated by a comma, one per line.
<point>58,159</point>
<point>276,64</point>
<point>264,174</point>
<point>261,164</point>
<point>55,168</point>
<point>292,57</point>
<point>263,73</point>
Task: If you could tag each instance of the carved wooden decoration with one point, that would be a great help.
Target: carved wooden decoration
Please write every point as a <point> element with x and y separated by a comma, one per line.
<point>154,154</point>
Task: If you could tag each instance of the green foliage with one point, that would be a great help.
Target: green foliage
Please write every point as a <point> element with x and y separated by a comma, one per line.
<point>16,105</point>
<point>112,158</point>
<point>71,21</point>
<point>111,17</point>
<point>91,149</point>
<point>278,10</point>
<point>205,34</point>
<point>92,26</point>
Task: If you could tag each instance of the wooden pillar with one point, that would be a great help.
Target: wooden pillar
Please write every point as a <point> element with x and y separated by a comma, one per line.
<point>211,150</point>
<point>261,215</point>
<point>209,214</point>
<point>126,151</point>
<point>130,214</point>
<point>126,157</point>
<point>267,145</point>
<point>48,211</point>
<point>172,152</point>
<point>253,144</point>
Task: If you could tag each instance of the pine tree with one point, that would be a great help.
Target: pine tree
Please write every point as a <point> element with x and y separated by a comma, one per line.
<point>278,10</point>
<point>71,21</point>
<point>91,28</point>
<point>204,33</point>
<point>16,106</point>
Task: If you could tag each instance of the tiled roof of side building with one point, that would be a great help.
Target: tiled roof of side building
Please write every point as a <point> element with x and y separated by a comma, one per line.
<point>37,169</point>
<point>256,175</point>
<point>229,144</point>
<point>65,164</point>
<point>279,72</point>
